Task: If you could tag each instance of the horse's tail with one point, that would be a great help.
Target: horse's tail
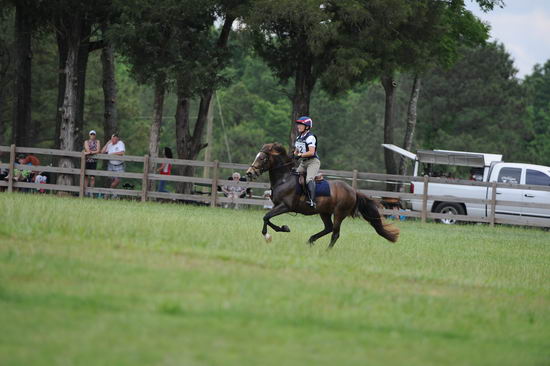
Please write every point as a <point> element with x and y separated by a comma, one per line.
<point>369,210</point>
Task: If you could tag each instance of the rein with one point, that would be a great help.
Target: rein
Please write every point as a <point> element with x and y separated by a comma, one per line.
<point>290,162</point>
<point>281,166</point>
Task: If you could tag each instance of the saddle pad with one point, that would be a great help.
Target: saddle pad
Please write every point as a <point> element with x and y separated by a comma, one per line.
<point>322,188</point>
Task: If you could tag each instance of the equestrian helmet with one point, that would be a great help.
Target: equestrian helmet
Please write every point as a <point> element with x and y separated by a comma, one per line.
<point>306,121</point>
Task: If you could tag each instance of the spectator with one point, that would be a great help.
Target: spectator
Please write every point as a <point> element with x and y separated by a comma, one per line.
<point>115,146</point>
<point>41,178</point>
<point>25,175</point>
<point>267,196</point>
<point>165,169</point>
<point>28,160</point>
<point>3,172</point>
<point>91,147</point>
<point>234,191</point>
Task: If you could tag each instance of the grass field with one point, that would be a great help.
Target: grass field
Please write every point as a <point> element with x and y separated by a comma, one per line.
<point>93,282</point>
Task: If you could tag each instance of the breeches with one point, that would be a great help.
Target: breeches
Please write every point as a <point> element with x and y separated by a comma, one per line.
<point>310,166</point>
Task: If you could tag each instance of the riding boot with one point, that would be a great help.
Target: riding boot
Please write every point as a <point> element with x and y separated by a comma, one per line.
<point>311,191</point>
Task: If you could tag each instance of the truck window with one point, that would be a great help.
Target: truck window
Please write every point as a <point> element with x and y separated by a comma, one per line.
<point>537,178</point>
<point>509,175</point>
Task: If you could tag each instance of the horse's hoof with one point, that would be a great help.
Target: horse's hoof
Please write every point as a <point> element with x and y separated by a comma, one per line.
<point>285,229</point>
<point>311,242</point>
<point>267,238</point>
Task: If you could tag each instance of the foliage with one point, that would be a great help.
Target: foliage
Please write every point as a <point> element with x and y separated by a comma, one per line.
<point>126,283</point>
<point>538,93</point>
<point>477,105</point>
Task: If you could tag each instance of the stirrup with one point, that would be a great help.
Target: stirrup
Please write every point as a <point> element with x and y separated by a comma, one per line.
<point>311,203</point>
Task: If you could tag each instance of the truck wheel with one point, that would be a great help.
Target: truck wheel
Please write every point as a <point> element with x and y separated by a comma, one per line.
<point>449,208</point>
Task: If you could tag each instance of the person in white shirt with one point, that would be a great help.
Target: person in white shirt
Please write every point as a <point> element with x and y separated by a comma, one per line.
<point>115,146</point>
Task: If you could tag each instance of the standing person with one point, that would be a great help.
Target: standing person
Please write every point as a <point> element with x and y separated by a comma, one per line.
<point>91,147</point>
<point>115,146</point>
<point>306,151</point>
<point>165,169</point>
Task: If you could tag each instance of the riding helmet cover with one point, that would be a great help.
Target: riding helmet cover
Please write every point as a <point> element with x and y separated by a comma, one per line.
<point>306,121</point>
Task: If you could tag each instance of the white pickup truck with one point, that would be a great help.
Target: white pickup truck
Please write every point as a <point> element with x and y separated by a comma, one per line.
<point>483,168</point>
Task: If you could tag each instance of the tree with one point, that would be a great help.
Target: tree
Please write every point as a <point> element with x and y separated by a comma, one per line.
<point>477,104</point>
<point>24,23</point>
<point>157,39</point>
<point>202,80</point>
<point>294,38</point>
<point>538,97</point>
<point>109,85</point>
<point>72,21</point>
<point>6,70</point>
<point>383,38</point>
<point>92,15</point>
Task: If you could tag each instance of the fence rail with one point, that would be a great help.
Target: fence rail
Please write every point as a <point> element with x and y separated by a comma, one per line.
<point>147,175</point>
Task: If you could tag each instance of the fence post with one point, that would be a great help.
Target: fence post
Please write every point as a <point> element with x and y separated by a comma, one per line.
<point>214,193</point>
<point>82,174</point>
<point>493,202</point>
<point>12,168</point>
<point>354,179</point>
<point>145,180</point>
<point>425,200</point>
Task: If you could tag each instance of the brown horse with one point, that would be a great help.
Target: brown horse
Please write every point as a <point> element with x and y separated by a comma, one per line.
<point>344,201</point>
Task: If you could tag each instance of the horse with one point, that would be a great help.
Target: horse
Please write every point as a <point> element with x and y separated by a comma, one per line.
<point>343,201</point>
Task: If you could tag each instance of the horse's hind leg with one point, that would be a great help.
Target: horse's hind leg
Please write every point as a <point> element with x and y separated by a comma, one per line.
<point>338,218</point>
<point>328,228</point>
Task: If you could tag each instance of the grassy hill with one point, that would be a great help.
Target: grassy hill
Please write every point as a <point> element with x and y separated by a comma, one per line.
<point>92,282</point>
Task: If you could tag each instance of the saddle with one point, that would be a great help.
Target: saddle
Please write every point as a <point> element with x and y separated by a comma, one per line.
<point>302,179</point>
<point>321,185</point>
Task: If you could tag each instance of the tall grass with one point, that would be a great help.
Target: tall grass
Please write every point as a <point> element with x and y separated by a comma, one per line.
<point>126,283</point>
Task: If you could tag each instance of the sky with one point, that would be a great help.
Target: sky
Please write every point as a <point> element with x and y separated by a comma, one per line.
<point>523,26</point>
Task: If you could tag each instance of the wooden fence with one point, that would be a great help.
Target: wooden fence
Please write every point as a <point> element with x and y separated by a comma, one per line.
<point>213,197</point>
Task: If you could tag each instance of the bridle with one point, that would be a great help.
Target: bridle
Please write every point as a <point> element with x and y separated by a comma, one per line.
<point>267,154</point>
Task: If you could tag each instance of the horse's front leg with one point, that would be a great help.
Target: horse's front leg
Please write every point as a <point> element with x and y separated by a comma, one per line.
<point>281,208</point>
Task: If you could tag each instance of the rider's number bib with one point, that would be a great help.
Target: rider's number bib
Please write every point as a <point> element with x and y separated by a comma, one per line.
<point>301,146</point>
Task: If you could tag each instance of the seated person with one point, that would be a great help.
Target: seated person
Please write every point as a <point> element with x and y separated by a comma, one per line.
<point>3,172</point>
<point>42,179</point>
<point>28,159</point>
<point>22,175</point>
<point>235,191</point>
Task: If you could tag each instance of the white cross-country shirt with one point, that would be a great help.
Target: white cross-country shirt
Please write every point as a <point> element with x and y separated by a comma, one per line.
<point>118,147</point>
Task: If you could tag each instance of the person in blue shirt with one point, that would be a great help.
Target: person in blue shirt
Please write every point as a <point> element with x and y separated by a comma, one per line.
<point>305,149</point>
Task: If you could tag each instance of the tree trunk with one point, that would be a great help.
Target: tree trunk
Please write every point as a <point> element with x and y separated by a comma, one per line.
<point>189,145</point>
<point>411,122</point>
<point>21,127</point>
<point>156,124</point>
<point>390,87</point>
<point>61,84</point>
<point>82,66</point>
<point>303,86</point>
<point>69,111</point>
<point>183,137</point>
<point>6,77</point>
<point>109,90</point>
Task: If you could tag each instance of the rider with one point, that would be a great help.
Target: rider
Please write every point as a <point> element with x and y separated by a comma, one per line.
<point>306,151</point>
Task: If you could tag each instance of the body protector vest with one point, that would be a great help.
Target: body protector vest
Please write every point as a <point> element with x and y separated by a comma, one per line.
<point>303,143</point>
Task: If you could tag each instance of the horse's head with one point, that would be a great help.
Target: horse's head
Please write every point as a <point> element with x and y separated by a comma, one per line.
<point>264,159</point>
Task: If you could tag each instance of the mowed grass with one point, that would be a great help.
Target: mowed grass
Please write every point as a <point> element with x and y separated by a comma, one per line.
<point>93,282</point>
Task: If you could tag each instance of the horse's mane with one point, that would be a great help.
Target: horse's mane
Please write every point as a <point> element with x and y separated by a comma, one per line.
<point>279,148</point>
